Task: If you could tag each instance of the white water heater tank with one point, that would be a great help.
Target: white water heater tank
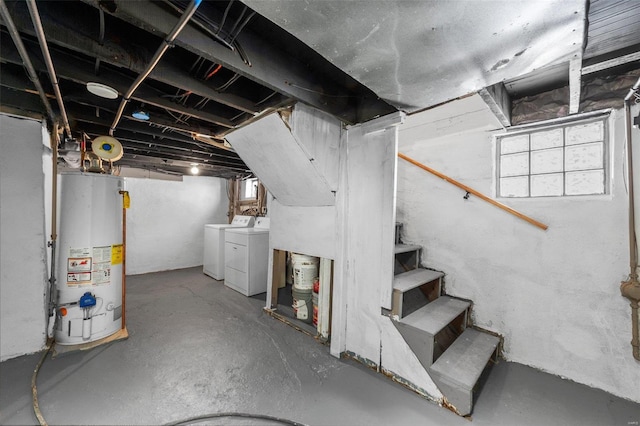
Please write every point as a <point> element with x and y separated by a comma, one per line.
<point>90,256</point>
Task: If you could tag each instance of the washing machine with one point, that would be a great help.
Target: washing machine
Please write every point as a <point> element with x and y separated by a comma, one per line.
<point>247,258</point>
<point>213,262</point>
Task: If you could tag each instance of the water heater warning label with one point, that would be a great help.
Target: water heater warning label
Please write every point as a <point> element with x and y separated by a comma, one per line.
<point>102,254</point>
<point>102,273</point>
<point>80,252</point>
<point>79,264</point>
<point>116,254</point>
<point>101,265</point>
<point>74,278</point>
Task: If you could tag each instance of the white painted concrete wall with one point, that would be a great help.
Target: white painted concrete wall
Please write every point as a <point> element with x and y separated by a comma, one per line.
<point>553,294</point>
<point>165,224</point>
<point>23,271</point>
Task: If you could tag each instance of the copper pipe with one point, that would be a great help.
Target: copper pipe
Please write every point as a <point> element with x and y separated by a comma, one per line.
<point>125,198</point>
<point>474,192</point>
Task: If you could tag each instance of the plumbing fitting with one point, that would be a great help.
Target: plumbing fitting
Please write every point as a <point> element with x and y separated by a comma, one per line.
<point>631,290</point>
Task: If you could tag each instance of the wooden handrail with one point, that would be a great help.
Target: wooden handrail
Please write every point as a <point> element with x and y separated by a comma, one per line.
<point>474,192</point>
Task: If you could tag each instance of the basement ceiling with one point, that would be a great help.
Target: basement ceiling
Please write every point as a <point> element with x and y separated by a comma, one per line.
<point>415,54</point>
<point>236,61</point>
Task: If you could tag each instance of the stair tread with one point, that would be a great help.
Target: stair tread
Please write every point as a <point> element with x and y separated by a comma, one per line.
<point>463,362</point>
<point>434,316</point>
<point>414,278</point>
<point>406,248</point>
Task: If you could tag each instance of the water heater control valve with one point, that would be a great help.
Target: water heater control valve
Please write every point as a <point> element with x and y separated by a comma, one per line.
<point>87,300</point>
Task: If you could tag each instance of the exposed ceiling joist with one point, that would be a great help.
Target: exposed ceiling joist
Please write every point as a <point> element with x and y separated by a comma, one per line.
<point>269,64</point>
<point>81,72</point>
<point>621,60</point>
<point>67,31</point>
<point>168,141</point>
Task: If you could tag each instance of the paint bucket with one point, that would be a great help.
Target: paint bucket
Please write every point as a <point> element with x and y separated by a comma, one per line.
<point>305,270</point>
<point>302,307</point>
<point>314,298</point>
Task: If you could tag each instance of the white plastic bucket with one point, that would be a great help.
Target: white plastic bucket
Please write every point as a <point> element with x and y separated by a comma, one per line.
<point>305,270</point>
<point>302,305</point>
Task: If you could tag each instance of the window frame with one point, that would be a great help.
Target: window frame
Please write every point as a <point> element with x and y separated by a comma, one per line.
<point>603,116</point>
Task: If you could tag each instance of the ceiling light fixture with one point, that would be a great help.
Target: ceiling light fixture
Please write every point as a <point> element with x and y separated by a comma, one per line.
<point>140,114</point>
<point>102,90</point>
<point>195,170</point>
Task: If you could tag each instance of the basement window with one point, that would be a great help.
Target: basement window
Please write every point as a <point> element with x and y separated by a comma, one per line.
<point>249,189</point>
<point>552,161</point>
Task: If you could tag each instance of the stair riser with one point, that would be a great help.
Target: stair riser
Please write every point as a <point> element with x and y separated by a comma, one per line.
<point>406,262</point>
<point>428,347</point>
<point>460,397</point>
<point>405,303</point>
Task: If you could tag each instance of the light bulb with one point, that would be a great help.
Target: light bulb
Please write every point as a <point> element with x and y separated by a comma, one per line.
<point>195,170</point>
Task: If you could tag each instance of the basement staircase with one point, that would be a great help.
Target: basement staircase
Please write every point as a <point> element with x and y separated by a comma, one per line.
<point>437,329</point>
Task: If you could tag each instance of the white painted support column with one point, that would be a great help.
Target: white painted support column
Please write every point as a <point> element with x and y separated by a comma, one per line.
<point>366,224</point>
<point>324,298</point>
<point>340,290</point>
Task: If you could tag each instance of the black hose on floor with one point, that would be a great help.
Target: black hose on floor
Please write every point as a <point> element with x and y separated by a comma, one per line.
<point>233,414</point>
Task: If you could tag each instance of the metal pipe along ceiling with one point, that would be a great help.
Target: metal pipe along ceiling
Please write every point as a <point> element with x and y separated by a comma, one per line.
<point>33,75</point>
<point>37,24</point>
<point>168,41</point>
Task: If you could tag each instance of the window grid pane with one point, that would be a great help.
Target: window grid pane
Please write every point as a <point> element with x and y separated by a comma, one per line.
<point>563,161</point>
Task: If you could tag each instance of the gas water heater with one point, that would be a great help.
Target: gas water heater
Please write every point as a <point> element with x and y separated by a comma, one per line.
<point>90,256</point>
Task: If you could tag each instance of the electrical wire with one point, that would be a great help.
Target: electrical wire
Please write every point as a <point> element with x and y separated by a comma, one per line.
<point>224,17</point>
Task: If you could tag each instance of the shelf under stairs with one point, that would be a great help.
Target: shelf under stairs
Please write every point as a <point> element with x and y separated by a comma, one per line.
<point>436,328</point>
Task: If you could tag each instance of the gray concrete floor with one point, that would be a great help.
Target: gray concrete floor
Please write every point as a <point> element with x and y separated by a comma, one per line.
<point>197,347</point>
